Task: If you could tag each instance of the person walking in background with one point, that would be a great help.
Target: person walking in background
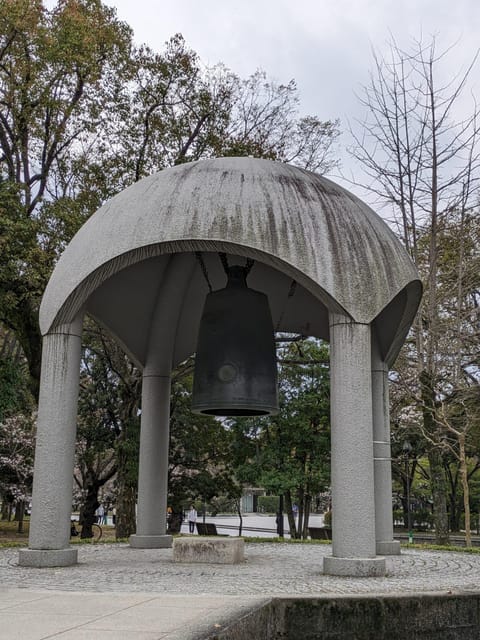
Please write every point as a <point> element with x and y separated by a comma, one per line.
<point>99,513</point>
<point>192,518</point>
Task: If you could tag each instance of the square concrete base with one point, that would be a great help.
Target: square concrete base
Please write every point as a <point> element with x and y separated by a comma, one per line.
<point>388,548</point>
<point>47,557</point>
<point>209,550</point>
<point>357,567</point>
<point>150,542</point>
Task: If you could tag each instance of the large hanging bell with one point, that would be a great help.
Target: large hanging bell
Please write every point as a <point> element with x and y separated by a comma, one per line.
<point>235,365</point>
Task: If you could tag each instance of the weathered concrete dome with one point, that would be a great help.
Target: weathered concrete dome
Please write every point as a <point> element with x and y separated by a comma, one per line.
<point>316,248</point>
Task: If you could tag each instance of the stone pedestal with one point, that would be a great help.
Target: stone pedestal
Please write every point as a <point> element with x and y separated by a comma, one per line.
<point>355,567</point>
<point>219,550</point>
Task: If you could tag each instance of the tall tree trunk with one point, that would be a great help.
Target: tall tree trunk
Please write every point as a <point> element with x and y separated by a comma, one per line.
<point>301,507</point>
<point>439,485</point>
<point>126,517</point>
<point>454,515</point>
<point>405,505</point>
<point>291,519</point>
<point>306,515</point>
<point>87,513</point>
<point>466,491</point>
<point>439,492</point>
<point>437,471</point>
<point>238,504</point>
<point>19,515</point>
<point>5,511</point>
<point>127,473</point>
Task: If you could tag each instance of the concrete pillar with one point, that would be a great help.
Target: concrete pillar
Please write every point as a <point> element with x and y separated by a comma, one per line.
<point>155,418</point>
<point>55,450</point>
<point>153,464</point>
<point>385,544</point>
<point>352,475</point>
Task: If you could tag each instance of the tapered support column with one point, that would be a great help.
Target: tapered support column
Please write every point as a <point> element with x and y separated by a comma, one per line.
<point>155,419</point>
<point>55,451</point>
<point>153,464</point>
<point>353,503</point>
<point>385,544</point>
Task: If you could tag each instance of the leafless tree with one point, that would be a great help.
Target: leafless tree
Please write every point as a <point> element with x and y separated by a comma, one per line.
<point>423,162</point>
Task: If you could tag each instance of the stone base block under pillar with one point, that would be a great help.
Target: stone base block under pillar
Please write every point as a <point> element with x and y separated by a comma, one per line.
<point>388,548</point>
<point>47,557</point>
<point>150,542</point>
<point>356,567</point>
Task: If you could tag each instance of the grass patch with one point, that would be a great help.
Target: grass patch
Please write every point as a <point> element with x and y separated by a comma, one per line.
<point>108,536</point>
<point>9,536</point>
<point>405,545</point>
<point>425,546</point>
<point>254,540</point>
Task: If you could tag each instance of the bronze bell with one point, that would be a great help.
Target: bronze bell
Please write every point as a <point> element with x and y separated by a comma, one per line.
<point>235,365</point>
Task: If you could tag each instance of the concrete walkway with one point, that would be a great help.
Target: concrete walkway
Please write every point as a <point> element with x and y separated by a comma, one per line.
<point>120,593</point>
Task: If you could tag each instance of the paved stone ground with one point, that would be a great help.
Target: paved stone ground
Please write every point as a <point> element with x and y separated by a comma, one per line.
<point>270,569</point>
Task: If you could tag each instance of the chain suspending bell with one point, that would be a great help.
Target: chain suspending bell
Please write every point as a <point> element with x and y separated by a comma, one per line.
<point>235,366</point>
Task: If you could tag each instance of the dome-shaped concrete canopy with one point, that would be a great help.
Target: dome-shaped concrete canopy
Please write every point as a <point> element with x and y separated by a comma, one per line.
<point>293,222</point>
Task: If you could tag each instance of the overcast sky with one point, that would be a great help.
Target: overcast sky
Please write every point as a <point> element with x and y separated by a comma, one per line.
<point>325,45</point>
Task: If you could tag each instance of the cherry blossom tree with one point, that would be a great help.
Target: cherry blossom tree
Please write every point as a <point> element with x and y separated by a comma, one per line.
<point>16,463</point>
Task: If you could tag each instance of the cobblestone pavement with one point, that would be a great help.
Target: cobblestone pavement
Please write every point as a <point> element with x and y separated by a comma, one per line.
<point>269,569</point>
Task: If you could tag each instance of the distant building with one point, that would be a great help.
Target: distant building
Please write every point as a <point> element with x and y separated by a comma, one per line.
<point>250,498</point>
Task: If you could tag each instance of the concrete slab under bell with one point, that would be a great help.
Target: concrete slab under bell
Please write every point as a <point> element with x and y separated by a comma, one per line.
<point>388,547</point>
<point>209,550</point>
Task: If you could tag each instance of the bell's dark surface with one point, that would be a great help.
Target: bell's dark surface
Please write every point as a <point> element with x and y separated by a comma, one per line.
<point>235,365</point>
